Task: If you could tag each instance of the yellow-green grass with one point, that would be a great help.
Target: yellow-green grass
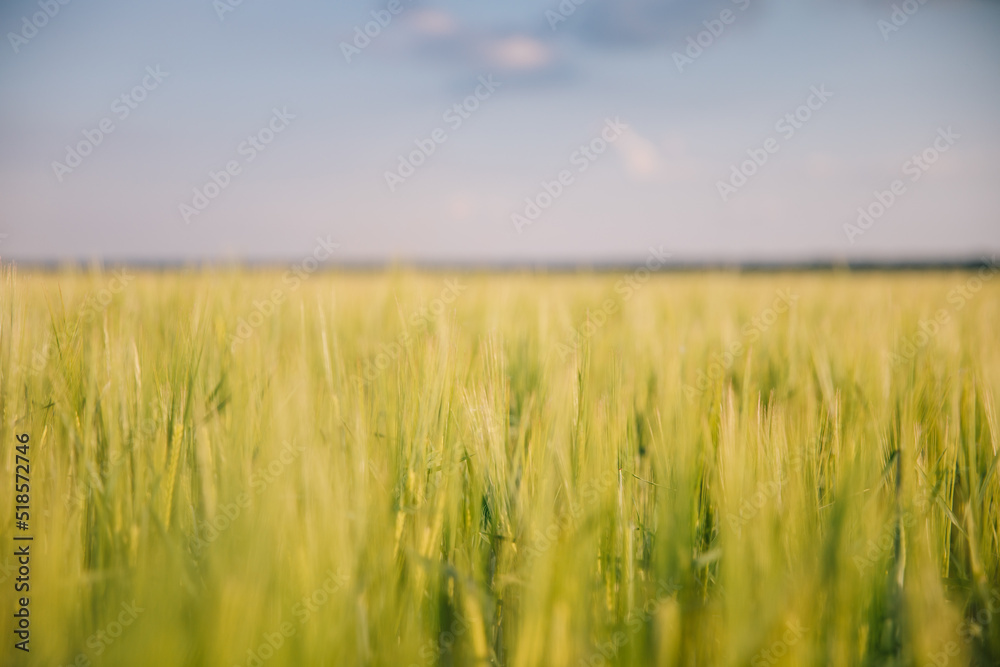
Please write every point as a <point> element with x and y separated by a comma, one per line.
<point>495,488</point>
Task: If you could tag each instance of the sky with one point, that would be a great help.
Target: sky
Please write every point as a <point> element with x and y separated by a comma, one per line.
<point>521,131</point>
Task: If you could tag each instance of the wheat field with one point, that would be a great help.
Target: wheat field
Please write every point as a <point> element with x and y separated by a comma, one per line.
<point>249,468</point>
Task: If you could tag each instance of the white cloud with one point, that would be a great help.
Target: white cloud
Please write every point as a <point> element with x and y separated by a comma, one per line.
<point>518,52</point>
<point>642,159</point>
<point>433,22</point>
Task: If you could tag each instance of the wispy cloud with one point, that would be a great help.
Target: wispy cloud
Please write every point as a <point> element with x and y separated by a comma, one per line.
<point>640,155</point>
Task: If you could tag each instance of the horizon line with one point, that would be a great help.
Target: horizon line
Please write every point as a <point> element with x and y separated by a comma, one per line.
<point>513,266</point>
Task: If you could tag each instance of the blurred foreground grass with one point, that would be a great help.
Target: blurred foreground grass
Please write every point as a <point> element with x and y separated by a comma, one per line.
<point>238,468</point>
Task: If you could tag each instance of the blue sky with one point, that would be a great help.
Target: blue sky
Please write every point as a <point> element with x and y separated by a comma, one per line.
<point>686,117</point>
